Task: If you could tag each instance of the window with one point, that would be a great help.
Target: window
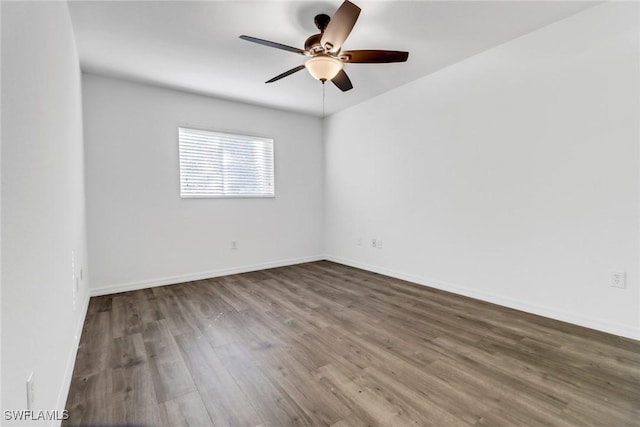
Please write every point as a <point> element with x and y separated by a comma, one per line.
<point>216,164</point>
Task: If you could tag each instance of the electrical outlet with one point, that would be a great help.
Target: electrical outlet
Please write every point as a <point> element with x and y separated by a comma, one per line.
<point>379,244</point>
<point>619,279</point>
<point>31,392</point>
<point>373,243</point>
<point>359,242</point>
<point>234,245</point>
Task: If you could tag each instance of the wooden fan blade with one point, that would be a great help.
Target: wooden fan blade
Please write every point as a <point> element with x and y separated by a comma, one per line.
<point>373,56</point>
<point>286,73</point>
<point>341,80</point>
<point>272,44</point>
<point>340,27</point>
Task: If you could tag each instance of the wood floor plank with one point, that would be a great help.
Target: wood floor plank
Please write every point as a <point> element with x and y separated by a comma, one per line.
<point>352,420</point>
<point>411,402</point>
<point>364,400</point>
<point>275,406</point>
<point>147,305</point>
<point>186,410</point>
<point>89,401</point>
<point>174,310</point>
<point>133,399</point>
<point>170,379</point>
<point>317,402</point>
<point>125,316</point>
<point>95,344</point>
<point>127,351</point>
<point>323,344</point>
<point>100,304</point>
<point>225,402</point>
<point>159,342</point>
<point>222,292</point>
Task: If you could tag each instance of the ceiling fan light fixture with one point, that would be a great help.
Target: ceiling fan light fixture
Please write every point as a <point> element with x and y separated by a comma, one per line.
<point>323,67</point>
<point>325,49</point>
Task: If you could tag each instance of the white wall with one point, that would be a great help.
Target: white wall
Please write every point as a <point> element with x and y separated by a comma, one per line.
<point>141,233</point>
<point>0,209</point>
<point>42,204</point>
<point>511,176</point>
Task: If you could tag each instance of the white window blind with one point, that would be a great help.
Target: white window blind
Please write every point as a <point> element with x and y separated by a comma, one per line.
<point>216,164</point>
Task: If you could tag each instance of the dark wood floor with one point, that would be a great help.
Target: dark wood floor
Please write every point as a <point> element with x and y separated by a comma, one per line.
<point>322,344</point>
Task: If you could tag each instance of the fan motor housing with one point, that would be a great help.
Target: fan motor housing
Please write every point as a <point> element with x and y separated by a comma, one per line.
<point>313,42</point>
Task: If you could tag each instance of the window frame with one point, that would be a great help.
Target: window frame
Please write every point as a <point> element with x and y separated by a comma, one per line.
<point>241,135</point>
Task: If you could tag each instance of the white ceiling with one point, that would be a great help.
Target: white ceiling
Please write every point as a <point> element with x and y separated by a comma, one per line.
<point>194,45</point>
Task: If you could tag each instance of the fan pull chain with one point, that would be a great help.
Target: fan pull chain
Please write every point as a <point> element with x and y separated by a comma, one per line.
<point>323,100</point>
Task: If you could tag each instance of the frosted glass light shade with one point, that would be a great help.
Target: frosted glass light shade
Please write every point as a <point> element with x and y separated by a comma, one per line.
<point>323,68</point>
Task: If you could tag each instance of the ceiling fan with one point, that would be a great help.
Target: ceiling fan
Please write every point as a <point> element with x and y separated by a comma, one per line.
<point>326,57</point>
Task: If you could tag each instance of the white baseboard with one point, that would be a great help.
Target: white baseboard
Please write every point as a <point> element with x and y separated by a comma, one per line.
<point>71,362</point>
<point>576,319</point>
<point>162,281</point>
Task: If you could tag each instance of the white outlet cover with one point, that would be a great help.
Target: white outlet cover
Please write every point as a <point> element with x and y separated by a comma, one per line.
<point>619,279</point>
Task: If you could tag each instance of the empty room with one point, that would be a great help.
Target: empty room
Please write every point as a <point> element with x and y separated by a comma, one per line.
<point>320,213</point>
